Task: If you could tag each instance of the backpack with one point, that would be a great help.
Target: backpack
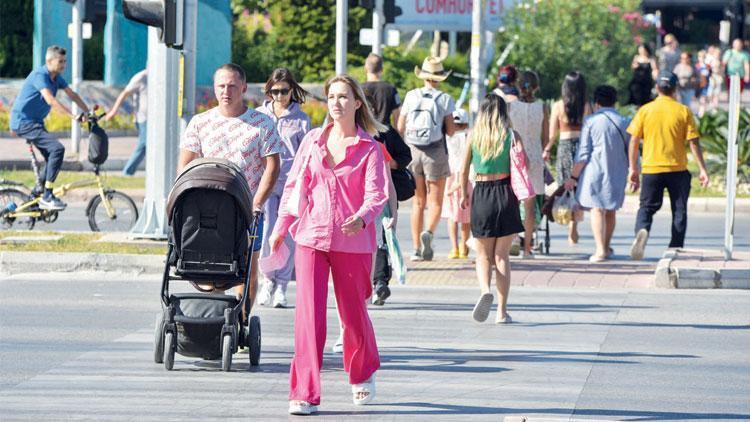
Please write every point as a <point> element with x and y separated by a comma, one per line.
<point>424,124</point>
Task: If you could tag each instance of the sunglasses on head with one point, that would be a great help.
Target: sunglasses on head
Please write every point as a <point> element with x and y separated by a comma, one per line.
<point>283,91</point>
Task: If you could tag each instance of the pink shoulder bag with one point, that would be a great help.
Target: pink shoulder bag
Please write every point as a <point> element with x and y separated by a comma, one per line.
<point>520,181</point>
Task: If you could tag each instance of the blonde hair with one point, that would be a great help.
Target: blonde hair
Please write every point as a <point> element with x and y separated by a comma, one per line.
<point>363,117</point>
<point>491,127</point>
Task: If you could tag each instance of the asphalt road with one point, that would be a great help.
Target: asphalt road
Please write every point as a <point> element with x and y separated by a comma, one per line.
<point>705,231</point>
<point>78,346</point>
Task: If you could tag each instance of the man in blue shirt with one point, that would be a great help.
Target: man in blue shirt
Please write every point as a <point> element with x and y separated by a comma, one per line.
<point>33,103</point>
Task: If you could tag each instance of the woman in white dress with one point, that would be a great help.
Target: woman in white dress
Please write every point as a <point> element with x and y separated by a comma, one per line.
<point>530,119</point>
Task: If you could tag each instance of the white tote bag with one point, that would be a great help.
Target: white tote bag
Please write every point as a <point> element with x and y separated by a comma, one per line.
<point>295,196</point>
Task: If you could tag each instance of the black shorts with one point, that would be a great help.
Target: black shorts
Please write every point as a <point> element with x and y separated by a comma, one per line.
<point>494,210</point>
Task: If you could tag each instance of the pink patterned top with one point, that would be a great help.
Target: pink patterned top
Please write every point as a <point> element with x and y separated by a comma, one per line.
<point>243,140</point>
<point>355,186</point>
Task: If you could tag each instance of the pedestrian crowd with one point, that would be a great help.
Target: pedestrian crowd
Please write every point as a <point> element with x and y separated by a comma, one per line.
<point>329,195</point>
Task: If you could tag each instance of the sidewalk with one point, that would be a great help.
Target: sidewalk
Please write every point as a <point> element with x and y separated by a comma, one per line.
<point>15,153</point>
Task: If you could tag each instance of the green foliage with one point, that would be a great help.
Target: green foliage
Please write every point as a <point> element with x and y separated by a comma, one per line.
<point>4,119</point>
<point>16,38</point>
<point>596,37</point>
<point>316,110</point>
<point>273,34</point>
<point>713,127</point>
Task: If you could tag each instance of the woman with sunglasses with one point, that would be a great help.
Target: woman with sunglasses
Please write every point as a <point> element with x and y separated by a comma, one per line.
<point>282,105</point>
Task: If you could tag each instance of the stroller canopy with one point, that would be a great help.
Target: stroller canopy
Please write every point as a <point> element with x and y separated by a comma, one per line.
<point>212,173</point>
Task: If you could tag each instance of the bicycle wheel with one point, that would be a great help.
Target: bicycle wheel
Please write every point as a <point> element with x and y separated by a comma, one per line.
<point>17,197</point>
<point>125,216</point>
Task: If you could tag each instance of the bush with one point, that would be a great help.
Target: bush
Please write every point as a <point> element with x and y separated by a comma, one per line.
<point>713,127</point>
<point>596,37</point>
<point>316,110</point>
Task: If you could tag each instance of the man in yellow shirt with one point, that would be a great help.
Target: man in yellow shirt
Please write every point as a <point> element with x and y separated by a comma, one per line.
<point>666,127</point>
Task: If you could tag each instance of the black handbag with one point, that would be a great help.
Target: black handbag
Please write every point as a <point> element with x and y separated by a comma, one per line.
<point>403,181</point>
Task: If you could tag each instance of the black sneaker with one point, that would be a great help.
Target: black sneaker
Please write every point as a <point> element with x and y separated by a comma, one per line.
<point>382,292</point>
<point>51,203</point>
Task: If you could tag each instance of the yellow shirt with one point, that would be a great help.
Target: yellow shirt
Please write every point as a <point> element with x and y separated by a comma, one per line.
<point>665,126</point>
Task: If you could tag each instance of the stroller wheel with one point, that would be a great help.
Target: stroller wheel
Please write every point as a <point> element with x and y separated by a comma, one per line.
<point>253,340</point>
<point>169,350</point>
<point>159,338</point>
<point>226,353</point>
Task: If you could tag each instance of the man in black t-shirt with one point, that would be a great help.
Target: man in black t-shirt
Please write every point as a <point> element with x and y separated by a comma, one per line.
<point>385,103</point>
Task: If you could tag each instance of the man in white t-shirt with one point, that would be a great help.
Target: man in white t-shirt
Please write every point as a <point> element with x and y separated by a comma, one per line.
<point>241,135</point>
<point>429,157</point>
<point>137,88</point>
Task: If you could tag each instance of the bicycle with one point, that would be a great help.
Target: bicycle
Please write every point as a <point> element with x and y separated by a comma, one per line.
<point>110,210</point>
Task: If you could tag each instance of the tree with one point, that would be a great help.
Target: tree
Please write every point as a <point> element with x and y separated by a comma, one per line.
<point>16,38</point>
<point>596,37</point>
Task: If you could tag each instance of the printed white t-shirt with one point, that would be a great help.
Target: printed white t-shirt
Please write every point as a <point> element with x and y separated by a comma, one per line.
<point>243,140</point>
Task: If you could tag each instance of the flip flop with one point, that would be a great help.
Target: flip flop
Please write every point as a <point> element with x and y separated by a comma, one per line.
<point>482,308</point>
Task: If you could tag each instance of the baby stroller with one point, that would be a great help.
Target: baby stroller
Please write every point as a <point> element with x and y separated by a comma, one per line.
<point>211,235</point>
<point>541,236</point>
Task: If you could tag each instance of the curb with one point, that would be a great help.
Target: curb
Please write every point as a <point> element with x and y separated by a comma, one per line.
<point>112,164</point>
<point>29,262</point>
<point>669,277</point>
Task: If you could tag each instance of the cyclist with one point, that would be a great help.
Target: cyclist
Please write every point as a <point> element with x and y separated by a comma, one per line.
<point>33,103</point>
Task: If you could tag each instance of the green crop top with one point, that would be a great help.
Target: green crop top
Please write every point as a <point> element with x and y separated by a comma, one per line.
<point>499,164</point>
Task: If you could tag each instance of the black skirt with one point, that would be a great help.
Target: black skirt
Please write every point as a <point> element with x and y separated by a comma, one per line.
<point>494,210</point>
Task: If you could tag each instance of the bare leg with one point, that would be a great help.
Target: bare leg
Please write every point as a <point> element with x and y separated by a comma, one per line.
<point>484,261</point>
<point>502,272</point>
<point>417,211</point>
<point>435,196</point>
<point>528,224</point>
<point>610,229</point>
<point>573,231</point>
<point>253,287</point>
<point>465,233</point>
<point>598,227</point>
<point>453,234</point>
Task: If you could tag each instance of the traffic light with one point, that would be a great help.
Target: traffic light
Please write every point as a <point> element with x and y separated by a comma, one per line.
<point>167,15</point>
<point>390,11</point>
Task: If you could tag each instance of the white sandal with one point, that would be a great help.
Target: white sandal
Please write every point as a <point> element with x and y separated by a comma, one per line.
<point>304,408</point>
<point>368,388</point>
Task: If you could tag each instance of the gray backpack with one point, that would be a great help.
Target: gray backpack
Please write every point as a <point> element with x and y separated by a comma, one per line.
<point>424,124</point>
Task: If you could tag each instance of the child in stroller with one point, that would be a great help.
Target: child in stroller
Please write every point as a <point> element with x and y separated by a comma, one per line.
<point>212,233</point>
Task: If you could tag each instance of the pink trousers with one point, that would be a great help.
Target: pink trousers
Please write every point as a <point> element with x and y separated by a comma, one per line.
<point>351,284</point>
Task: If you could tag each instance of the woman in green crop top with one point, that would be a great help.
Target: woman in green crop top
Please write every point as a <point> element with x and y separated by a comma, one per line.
<point>495,216</point>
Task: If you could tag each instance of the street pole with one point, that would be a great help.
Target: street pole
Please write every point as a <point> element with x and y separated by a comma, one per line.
<point>732,151</point>
<point>477,70</point>
<point>163,135</point>
<point>377,28</point>
<point>188,50</point>
<point>76,70</point>
<point>341,13</point>
<point>452,41</point>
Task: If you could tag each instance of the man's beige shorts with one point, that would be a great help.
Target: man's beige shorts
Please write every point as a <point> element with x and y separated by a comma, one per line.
<point>430,162</point>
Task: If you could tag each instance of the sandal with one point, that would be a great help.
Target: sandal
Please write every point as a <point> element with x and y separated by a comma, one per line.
<point>304,408</point>
<point>364,393</point>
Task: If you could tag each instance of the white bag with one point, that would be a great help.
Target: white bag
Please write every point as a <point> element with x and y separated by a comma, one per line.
<point>295,196</point>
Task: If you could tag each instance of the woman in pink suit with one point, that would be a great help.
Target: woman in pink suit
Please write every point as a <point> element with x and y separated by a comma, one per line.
<point>344,188</point>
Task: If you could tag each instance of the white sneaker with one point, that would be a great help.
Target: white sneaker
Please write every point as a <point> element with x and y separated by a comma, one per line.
<point>279,298</point>
<point>264,296</point>
<point>338,347</point>
<point>427,251</point>
<point>639,245</point>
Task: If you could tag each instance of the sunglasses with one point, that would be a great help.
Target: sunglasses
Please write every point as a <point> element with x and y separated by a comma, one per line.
<point>275,92</point>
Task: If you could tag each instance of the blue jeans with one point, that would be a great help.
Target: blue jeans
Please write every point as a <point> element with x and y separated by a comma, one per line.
<point>139,153</point>
<point>52,150</point>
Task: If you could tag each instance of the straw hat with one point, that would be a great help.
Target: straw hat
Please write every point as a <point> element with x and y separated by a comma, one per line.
<point>432,70</point>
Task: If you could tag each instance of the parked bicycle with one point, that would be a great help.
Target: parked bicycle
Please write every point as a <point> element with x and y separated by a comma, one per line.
<point>110,210</point>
